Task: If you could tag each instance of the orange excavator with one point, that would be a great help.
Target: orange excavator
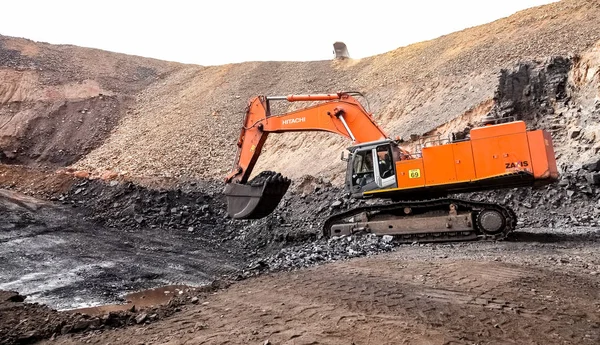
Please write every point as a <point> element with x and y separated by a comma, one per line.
<point>414,186</point>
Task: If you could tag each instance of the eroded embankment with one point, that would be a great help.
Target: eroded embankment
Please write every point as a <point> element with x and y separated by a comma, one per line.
<point>58,103</point>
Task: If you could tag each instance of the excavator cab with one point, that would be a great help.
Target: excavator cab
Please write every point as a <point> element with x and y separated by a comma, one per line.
<point>371,167</point>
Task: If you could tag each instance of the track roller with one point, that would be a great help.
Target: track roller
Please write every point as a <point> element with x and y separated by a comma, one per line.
<point>491,222</point>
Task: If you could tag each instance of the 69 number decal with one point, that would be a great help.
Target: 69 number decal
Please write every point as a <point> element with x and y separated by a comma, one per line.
<point>414,173</point>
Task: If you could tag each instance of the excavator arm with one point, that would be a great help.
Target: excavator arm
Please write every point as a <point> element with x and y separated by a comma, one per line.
<point>341,114</point>
<point>338,113</point>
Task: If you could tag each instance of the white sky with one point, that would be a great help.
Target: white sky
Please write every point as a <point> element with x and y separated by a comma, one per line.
<point>220,31</point>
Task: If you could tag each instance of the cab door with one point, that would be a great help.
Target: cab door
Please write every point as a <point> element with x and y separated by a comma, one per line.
<point>360,174</point>
<point>385,173</point>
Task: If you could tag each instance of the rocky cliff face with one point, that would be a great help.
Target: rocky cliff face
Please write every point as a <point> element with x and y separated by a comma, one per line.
<point>561,95</point>
<point>531,90</point>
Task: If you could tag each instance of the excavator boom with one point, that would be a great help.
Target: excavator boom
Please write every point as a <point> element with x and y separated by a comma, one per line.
<point>339,113</point>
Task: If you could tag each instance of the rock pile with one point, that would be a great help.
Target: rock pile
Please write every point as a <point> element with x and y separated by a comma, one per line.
<point>317,252</point>
<point>291,236</point>
<point>299,216</point>
<point>201,208</point>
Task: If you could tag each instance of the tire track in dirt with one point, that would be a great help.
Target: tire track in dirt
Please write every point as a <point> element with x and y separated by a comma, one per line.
<point>387,300</point>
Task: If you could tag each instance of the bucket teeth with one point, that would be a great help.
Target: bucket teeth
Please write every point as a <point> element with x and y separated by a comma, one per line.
<point>258,198</point>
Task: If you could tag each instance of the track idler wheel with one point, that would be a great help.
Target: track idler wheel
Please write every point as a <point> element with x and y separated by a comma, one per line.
<point>258,198</point>
<point>491,222</point>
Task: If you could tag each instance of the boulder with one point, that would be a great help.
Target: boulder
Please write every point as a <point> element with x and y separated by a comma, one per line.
<point>141,318</point>
<point>593,165</point>
<point>593,178</point>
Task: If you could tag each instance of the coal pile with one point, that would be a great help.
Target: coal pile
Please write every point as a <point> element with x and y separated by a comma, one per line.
<point>291,237</point>
<point>193,208</point>
<point>298,219</point>
<point>200,208</point>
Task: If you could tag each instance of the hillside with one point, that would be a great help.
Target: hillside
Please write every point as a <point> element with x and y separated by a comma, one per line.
<point>58,102</point>
<point>182,120</point>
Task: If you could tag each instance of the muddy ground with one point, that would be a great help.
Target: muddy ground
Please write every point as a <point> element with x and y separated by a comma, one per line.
<point>539,288</point>
<point>53,256</point>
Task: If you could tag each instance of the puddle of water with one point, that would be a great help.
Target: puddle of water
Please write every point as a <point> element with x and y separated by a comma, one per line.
<point>142,299</point>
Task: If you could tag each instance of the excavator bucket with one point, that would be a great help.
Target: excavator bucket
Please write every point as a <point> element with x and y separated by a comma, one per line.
<point>258,198</point>
<point>340,50</point>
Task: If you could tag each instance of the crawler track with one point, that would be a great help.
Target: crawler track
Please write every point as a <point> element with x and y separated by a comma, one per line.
<point>429,235</point>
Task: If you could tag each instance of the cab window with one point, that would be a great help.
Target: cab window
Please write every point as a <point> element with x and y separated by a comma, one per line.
<point>363,162</point>
<point>384,161</point>
<point>362,172</point>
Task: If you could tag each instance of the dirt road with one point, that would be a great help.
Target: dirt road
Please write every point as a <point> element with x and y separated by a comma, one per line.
<point>542,288</point>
